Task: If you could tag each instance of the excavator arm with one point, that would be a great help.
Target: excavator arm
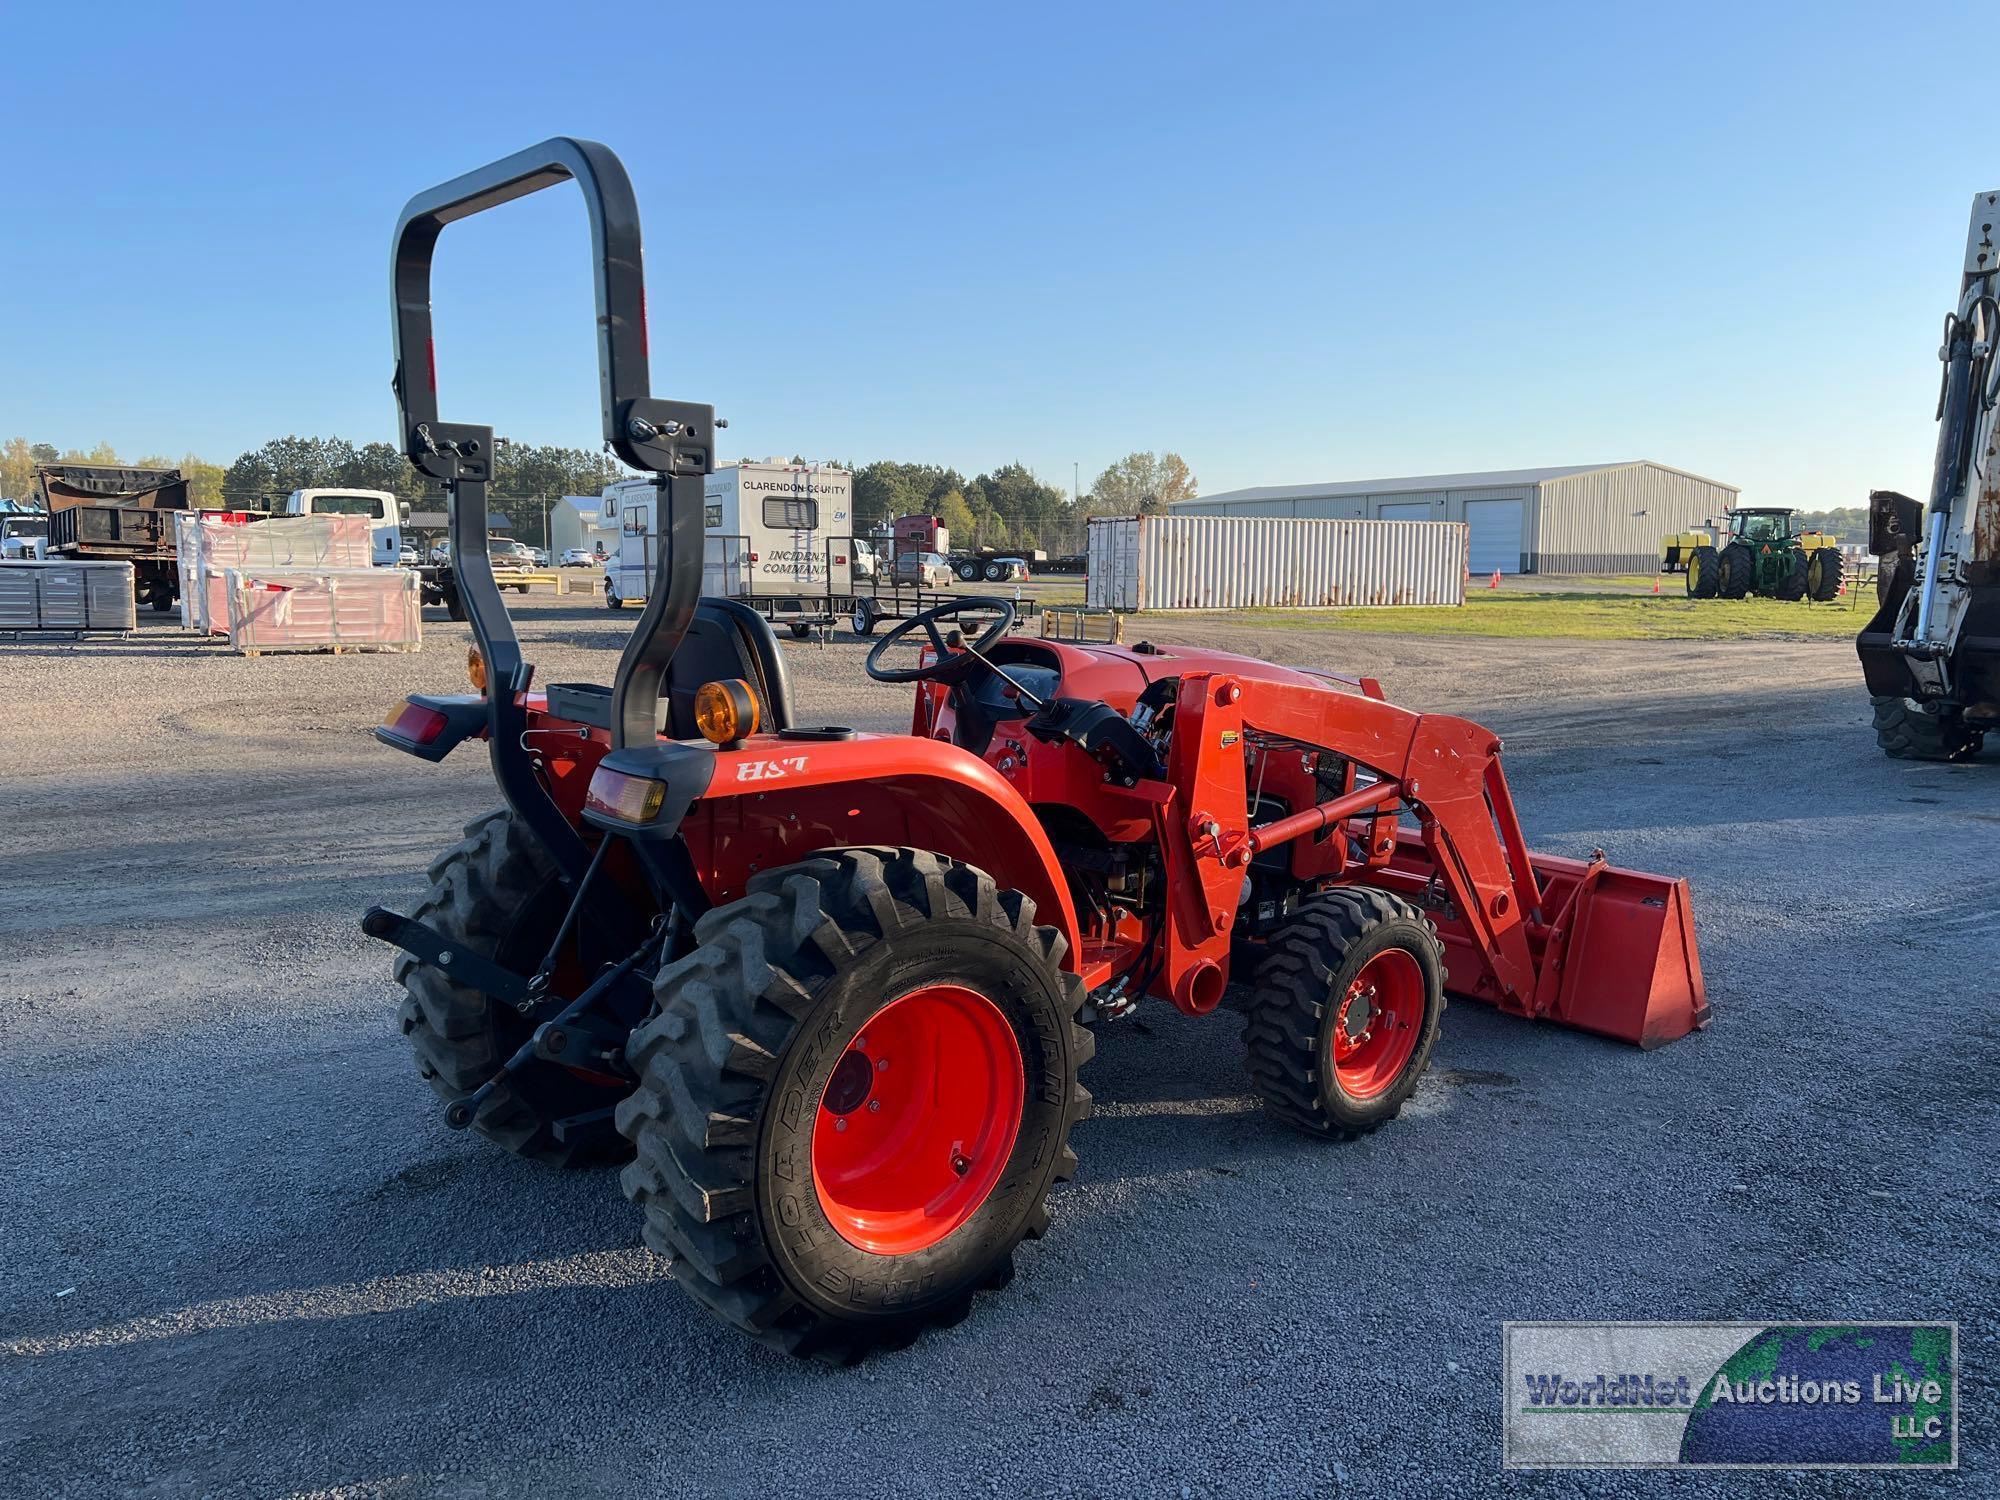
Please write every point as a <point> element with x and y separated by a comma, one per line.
<point>1933,645</point>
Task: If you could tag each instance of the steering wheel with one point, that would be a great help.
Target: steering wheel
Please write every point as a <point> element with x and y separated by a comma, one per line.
<point>949,666</point>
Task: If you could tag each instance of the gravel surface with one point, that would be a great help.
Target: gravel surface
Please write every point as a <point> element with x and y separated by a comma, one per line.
<point>243,1255</point>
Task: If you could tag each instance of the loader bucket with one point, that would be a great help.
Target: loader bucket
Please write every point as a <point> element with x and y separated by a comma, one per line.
<point>1619,958</point>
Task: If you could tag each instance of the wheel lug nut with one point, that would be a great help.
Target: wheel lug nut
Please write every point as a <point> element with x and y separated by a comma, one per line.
<point>840,1122</point>
<point>874,1106</point>
<point>882,1065</point>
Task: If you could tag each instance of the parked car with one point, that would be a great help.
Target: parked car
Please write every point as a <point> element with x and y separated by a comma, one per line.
<point>923,570</point>
<point>867,565</point>
<point>581,557</point>
<point>441,553</point>
<point>510,556</point>
<point>408,557</point>
<point>540,555</point>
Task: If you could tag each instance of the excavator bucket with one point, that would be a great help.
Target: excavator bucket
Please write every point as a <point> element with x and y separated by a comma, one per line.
<point>1619,955</point>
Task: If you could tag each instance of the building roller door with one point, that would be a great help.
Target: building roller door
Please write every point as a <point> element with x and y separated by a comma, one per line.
<point>1493,535</point>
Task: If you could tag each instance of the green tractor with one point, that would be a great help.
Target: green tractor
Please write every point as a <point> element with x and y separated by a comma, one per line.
<point>1763,554</point>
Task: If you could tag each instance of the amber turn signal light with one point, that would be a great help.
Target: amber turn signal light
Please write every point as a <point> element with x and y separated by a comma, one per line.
<point>475,669</point>
<point>725,711</point>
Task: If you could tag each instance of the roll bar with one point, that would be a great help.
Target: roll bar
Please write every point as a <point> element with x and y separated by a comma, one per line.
<point>674,440</point>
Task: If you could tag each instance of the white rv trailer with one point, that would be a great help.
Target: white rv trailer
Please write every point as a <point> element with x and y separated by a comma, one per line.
<point>777,536</point>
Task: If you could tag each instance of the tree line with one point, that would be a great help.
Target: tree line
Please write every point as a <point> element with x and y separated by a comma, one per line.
<point>1006,507</point>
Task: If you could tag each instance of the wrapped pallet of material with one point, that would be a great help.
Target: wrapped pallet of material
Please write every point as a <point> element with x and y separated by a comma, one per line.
<point>284,543</point>
<point>63,594</point>
<point>339,609</point>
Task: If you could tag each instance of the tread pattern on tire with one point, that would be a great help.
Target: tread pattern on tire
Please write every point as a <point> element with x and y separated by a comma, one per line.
<point>1293,987</point>
<point>1793,587</point>
<point>705,1062</point>
<point>1906,731</point>
<point>1737,573</point>
<point>477,887</point>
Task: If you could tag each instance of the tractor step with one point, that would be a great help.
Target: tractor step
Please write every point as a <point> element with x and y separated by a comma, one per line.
<point>473,970</point>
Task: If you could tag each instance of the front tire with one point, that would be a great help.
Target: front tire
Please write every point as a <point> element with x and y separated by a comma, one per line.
<point>1345,1012</point>
<point>1737,572</point>
<point>1924,731</point>
<point>1793,587</point>
<point>813,1195</point>
<point>863,620</point>
<point>1824,573</point>
<point>497,895</point>
<point>968,571</point>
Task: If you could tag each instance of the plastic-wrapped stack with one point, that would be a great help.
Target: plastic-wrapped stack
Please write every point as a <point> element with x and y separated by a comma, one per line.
<point>210,545</point>
<point>364,609</point>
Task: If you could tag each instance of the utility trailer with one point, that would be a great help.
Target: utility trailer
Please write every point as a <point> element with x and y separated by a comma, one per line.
<point>110,513</point>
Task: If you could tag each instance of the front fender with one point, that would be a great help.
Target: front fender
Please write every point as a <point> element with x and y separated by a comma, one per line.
<point>777,799</point>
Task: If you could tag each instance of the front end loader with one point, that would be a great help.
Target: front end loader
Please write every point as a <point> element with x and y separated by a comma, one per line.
<point>827,993</point>
<point>1931,653</point>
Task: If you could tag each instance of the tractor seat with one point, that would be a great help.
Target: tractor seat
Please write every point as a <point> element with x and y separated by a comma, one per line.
<point>727,639</point>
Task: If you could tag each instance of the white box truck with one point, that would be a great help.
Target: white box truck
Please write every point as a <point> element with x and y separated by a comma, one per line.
<point>778,536</point>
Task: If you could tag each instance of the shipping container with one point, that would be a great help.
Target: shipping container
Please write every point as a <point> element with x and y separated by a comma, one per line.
<point>1234,562</point>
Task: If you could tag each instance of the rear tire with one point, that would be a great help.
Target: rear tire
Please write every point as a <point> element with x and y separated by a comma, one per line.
<point>968,571</point>
<point>1824,574</point>
<point>1354,971</point>
<point>757,1032</point>
<point>497,894</point>
<point>1704,573</point>
<point>1923,731</point>
<point>863,620</point>
<point>1737,572</point>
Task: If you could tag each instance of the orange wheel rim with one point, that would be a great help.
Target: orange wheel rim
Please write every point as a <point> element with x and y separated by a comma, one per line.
<point>1375,1030</point>
<point>918,1120</point>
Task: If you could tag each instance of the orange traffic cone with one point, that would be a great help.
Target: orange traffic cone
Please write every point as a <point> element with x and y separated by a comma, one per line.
<point>1656,585</point>
<point>1496,580</point>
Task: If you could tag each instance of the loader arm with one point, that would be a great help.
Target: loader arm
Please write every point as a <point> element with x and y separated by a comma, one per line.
<point>1577,942</point>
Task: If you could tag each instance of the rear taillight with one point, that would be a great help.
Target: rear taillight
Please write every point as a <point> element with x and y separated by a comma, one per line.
<point>415,723</point>
<point>629,799</point>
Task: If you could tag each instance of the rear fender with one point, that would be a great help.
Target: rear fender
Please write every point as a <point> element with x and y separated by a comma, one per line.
<point>776,800</point>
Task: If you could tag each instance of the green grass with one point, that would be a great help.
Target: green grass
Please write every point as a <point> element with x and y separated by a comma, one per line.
<point>1667,616</point>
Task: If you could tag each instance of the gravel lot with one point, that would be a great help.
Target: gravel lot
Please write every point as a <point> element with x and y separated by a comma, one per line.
<point>243,1255</point>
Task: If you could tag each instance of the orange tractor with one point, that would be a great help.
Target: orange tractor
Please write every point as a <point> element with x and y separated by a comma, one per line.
<point>830,992</point>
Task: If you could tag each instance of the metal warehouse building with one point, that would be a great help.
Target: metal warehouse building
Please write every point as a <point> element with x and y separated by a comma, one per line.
<point>1581,518</point>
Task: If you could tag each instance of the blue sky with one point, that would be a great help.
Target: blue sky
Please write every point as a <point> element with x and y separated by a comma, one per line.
<point>1291,243</point>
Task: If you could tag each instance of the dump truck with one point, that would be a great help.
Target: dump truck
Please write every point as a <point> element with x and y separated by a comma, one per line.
<point>111,513</point>
<point>1930,655</point>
